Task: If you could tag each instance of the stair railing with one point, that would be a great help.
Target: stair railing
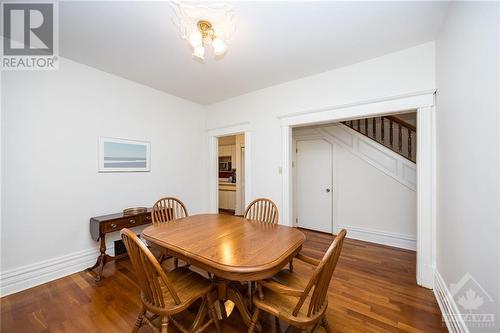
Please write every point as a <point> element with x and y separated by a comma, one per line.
<point>395,126</point>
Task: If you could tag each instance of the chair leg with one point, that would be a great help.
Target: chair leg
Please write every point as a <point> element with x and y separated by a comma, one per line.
<point>250,304</point>
<point>253,323</point>
<point>290,265</point>
<point>213,314</point>
<point>325,324</point>
<point>164,325</point>
<point>176,262</point>
<point>315,327</point>
<point>277,323</point>
<point>140,318</point>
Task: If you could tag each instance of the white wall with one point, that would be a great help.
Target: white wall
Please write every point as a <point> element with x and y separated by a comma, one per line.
<point>403,72</point>
<point>467,59</point>
<point>51,122</point>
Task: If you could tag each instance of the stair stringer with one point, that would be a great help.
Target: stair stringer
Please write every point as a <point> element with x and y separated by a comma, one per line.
<point>374,153</point>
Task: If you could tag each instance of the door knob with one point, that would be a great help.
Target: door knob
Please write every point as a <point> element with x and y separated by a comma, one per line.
<point>327,190</point>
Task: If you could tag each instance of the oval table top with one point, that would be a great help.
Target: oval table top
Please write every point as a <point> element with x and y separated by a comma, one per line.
<point>228,246</point>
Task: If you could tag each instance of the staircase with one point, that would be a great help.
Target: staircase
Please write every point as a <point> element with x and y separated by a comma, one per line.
<point>394,133</point>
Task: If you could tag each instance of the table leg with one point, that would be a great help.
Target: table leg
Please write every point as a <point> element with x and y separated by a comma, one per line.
<point>221,297</point>
<point>228,292</point>
<point>101,260</point>
<point>234,295</point>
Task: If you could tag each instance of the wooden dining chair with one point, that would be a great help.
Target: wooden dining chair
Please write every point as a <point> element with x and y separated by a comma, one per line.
<point>263,210</point>
<point>299,302</point>
<point>164,294</point>
<point>164,210</point>
<point>168,209</point>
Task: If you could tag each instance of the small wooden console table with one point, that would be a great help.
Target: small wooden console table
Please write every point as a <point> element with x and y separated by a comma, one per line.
<point>102,225</point>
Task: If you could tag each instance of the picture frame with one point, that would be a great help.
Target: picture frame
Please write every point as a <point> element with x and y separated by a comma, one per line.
<point>122,155</point>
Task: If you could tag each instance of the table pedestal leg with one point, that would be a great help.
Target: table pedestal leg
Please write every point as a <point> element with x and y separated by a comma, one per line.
<point>228,292</point>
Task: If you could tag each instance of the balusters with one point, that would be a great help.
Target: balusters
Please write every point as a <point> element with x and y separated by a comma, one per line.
<point>409,144</point>
<point>364,127</point>
<point>382,129</point>
<point>391,133</point>
<point>400,138</point>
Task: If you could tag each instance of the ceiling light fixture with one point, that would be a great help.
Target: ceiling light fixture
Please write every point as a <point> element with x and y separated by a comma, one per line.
<point>204,34</point>
<point>205,23</point>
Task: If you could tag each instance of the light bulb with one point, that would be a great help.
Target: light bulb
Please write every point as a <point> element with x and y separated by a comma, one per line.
<point>195,39</point>
<point>219,46</point>
<point>199,52</point>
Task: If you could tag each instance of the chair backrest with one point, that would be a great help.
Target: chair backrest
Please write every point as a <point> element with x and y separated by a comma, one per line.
<point>263,210</point>
<point>320,280</point>
<point>149,273</point>
<point>168,209</point>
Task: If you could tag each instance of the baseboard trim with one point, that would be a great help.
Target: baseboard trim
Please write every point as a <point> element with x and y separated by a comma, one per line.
<point>25,277</point>
<point>381,237</point>
<point>447,305</point>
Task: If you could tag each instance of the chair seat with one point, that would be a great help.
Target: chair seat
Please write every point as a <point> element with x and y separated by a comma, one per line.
<point>188,285</point>
<point>281,305</point>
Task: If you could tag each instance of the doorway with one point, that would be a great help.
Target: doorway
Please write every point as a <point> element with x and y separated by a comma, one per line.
<point>242,158</point>
<point>231,172</point>
<point>314,204</point>
<point>424,103</point>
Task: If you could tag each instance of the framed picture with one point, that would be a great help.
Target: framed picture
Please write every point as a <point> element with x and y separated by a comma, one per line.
<point>119,155</point>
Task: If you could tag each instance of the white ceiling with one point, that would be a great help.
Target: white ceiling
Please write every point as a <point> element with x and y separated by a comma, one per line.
<point>275,42</point>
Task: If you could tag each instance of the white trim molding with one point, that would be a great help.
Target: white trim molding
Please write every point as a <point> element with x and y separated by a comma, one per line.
<point>426,196</point>
<point>24,277</point>
<point>402,241</point>
<point>423,102</point>
<point>447,305</point>
<point>213,160</point>
<point>367,108</point>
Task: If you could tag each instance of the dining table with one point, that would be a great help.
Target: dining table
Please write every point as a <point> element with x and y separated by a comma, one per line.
<point>232,249</point>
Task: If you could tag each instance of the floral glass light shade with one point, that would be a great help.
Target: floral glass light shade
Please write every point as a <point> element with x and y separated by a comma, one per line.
<point>204,23</point>
<point>203,35</point>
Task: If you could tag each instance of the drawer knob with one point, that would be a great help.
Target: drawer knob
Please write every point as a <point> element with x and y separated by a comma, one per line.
<point>113,225</point>
<point>132,221</point>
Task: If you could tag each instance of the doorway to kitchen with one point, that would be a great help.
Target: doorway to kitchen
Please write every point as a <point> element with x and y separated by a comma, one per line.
<point>231,171</point>
<point>242,157</point>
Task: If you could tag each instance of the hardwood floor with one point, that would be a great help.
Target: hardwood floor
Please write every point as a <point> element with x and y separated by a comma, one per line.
<point>373,290</point>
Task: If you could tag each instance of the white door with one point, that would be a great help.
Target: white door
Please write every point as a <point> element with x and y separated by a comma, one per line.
<point>314,185</point>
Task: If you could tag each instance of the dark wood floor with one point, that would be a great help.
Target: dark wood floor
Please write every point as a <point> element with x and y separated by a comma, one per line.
<point>373,290</point>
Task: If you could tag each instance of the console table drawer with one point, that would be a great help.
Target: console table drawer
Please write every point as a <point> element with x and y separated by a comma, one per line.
<point>118,225</point>
<point>146,219</point>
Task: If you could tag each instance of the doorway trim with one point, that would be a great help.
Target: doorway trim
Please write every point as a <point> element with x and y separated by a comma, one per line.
<point>213,161</point>
<point>424,103</point>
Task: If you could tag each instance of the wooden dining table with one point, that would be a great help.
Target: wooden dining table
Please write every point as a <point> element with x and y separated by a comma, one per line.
<point>233,249</point>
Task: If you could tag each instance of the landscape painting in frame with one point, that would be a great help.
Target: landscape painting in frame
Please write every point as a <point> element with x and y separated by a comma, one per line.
<point>119,155</point>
